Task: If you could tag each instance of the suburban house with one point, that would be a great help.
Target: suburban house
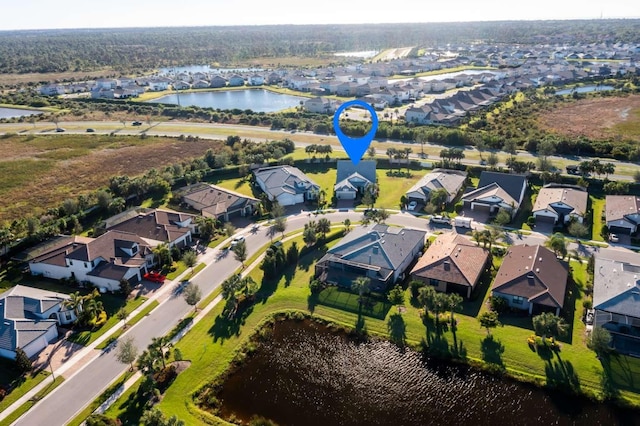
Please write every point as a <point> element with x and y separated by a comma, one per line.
<point>452,263</point>
<point>616,298</point>
<point>103,261</point>
<point>381,253</point>
<point>236,80</point>
<point>560,204</point>
<point>156,226</point>
<point>286,184</point>
<point>217,81</point>
<point>532,278</point>
<point>353,178</point>
<point>29,318</point>
<point>622,213</point>
<point>497,190</point>
<point>449,180</point>
<point>321,105</point>
<point>256,80</point>
<point>217,202</point>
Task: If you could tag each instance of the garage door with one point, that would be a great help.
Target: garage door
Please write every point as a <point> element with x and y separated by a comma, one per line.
<point>345,195</point>
<point>620,230</point>
<point>480,207</point>
<point>545,219</point>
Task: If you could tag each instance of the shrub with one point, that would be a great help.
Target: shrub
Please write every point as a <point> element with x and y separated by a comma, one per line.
<point>458,207</point>
<point>164,377</point>
<point>499,304</point>
<point>316,286</point>
<point>531,221</point>
<point>415,287</point>
<point>587,303</point>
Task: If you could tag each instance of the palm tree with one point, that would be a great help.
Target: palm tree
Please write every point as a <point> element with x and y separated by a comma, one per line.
<point>347,225</point>
<point>453,304</point>
<point>324,226</point>
<point>163,254</point>
<point>361,286</point>
<point>74,302</point>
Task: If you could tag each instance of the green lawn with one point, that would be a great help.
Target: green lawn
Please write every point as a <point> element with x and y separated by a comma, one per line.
<point>130,323</point>
<point>597,206</point>
<point>27,405</point>
<point>112,305</point>
<point>9,379</point>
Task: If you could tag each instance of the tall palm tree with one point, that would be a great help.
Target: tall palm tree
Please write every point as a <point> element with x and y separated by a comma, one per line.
<point>163,254</point>
<point>361,285</point>
<point>74,302</point>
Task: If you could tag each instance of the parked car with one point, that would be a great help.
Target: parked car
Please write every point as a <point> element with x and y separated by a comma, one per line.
<point>90,130</point>
<point>441,220</point>
<point>613,238</point>
<point>155,277</point>
<point>237,240</point>
<point>412,206</point>
<point>588,319</point>
<point>137,123</point>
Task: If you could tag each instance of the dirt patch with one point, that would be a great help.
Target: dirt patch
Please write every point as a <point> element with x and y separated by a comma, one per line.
<point>181,365</point>
<point>598,118</point>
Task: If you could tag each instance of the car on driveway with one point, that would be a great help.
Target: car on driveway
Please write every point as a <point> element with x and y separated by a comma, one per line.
<point>155,277</point>
<point>613,238</point>
<point>412,206</point>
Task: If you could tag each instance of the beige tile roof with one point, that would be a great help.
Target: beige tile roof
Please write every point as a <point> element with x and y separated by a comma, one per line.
<point>466,261</point>
<point>570,196</point>
<point>618,206</point>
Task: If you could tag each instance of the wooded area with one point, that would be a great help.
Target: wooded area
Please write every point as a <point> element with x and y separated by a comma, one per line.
<point>140,49</point>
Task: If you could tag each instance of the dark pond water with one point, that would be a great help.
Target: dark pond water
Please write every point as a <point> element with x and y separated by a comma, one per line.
<point>258,100</point>
<point>307,375</point>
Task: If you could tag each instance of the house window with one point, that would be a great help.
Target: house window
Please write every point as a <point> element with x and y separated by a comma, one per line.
<point>85,265</point>
<point>71,262</point>
<point>67,315</point>
<point>517,300</point>
<point>434,282</point>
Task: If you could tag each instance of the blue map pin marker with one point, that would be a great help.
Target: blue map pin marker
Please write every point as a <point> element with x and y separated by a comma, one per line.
<point>355,147</point>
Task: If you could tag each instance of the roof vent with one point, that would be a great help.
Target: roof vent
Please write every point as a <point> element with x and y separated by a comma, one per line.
<point>537,269</point>
<point>382,242</point>
<point>447,266</point>
<point>540,259</point>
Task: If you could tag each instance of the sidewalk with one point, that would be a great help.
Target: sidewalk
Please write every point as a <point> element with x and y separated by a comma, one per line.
<point>199,316</point>
<point>82,358</point>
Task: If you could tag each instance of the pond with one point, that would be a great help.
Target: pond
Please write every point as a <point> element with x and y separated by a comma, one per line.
<point>258,100</point>
<point>306,374</point>
<point>16,112</point>
<point>585,89</point>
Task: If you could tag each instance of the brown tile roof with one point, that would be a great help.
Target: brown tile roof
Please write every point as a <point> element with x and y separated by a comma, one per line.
<point>215,199</point>
<point>535,273</point>
<point>155,225</point>
<point>466,261</point>
<point>109,247</point>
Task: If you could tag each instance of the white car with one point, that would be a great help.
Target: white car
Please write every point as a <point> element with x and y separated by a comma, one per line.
<point>442,220</point>
<point>237,240</point>
<point>613,238</point>
<point>412,206</point>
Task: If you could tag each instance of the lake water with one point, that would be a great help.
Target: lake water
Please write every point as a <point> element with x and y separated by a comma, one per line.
<point>14,112</point>
<point>307,375</point>
<point>585,89</point>
<point>258,100</point>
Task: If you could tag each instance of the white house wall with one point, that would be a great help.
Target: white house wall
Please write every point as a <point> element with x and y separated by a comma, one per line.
<point>50,271</point>
<point>40,343</point>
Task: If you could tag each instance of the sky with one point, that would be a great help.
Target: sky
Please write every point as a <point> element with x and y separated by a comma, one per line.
<point>45,14</point>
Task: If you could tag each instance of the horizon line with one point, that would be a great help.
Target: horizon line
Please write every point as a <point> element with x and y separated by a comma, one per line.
<point>611,18</point>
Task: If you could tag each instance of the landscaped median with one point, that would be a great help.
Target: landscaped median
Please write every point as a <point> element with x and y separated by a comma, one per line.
<point>27,405</point>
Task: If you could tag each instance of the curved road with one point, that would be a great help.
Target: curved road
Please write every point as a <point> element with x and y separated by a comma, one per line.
<point>84,386</point>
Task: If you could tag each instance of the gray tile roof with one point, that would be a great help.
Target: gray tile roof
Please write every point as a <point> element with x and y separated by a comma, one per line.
<point>510,183</point>
<point>616,284</point>
<point>284,179</point>
<point>450,180</point>
<point>366,168</point>
<point>381,245</point>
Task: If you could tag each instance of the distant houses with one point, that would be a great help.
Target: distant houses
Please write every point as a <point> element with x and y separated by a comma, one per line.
<point>622,213</point>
